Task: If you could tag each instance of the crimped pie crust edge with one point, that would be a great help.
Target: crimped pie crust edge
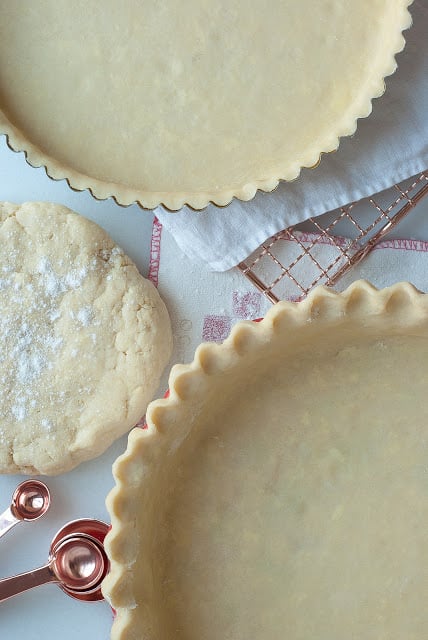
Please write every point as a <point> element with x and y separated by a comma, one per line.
<point>395,309</point>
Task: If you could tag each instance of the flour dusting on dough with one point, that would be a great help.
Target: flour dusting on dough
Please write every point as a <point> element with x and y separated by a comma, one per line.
<point>83,339</point>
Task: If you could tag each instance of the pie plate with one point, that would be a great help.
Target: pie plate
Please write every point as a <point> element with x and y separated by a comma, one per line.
<point>280,491</point>
<point>189,102</point>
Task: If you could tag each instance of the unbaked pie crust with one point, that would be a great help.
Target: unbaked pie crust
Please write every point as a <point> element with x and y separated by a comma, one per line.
<point>189,102</point>
<point>280,491</point>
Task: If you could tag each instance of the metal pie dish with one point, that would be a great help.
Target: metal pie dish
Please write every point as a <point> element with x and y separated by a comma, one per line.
<point>279,478</point>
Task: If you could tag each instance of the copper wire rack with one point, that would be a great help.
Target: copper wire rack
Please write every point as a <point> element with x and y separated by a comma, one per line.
<point>291,260</point>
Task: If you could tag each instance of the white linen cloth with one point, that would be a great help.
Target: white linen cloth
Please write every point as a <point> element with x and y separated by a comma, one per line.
<point>389,146</point>
<point>204,305</point>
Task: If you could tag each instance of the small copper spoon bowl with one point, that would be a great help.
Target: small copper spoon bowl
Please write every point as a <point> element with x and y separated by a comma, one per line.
<point>88,526</point>
<point>77,563</point>
<point>30,501</point>
<point>94,529</point>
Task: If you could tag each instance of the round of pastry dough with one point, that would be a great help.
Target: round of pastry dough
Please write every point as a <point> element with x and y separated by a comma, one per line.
<point>83,339</point>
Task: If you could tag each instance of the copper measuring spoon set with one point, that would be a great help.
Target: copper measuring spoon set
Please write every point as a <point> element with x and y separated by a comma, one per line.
<point>77,561</point>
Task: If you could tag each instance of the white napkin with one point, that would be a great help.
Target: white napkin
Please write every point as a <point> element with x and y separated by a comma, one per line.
<point>389,146</point>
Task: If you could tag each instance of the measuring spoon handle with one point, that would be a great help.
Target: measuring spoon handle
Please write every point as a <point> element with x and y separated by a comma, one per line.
<point>7,521</point>
<point>22,582</point>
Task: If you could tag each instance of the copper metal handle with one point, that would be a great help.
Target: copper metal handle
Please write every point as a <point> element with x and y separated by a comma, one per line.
<point>22,582</point>
<point>7,521</point>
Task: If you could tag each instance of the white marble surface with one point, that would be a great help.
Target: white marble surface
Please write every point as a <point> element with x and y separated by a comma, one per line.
<point>46,612</point>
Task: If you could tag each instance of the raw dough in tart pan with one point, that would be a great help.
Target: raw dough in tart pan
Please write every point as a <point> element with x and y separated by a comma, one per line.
<point>189,102</point>
<point>281,491</point>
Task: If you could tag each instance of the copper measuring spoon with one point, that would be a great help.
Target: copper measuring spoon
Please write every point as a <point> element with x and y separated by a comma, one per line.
<point>77,563</point>
<point>30,501</point>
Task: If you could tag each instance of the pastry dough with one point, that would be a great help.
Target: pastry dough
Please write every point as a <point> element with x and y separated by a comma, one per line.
<point>281,490</point>
<point>191,101</point>
<point>83,339</point>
